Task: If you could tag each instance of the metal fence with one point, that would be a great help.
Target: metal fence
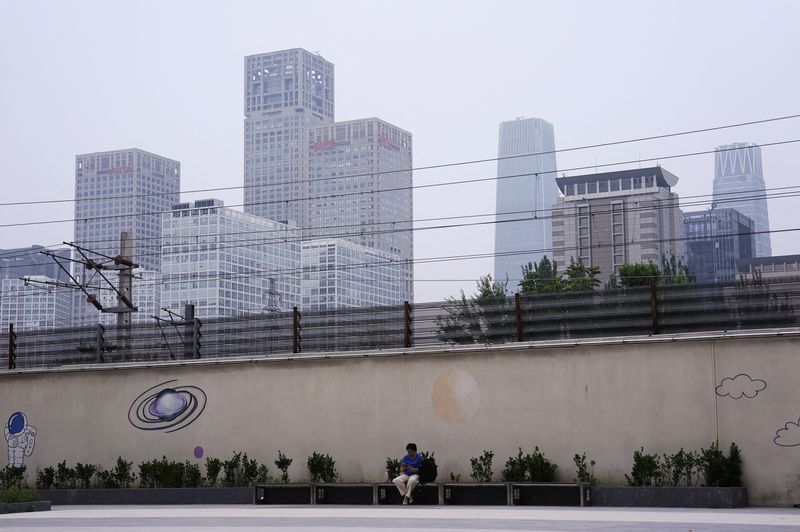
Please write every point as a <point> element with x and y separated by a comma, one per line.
<point>526,317</point>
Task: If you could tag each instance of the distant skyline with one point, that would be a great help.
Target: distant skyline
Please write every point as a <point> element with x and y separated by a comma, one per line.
<point>88,76</point>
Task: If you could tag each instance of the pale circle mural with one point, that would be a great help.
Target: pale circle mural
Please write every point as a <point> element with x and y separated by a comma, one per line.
<point>455,396</point>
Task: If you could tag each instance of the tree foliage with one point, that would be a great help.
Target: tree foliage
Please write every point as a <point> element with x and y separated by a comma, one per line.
<point>639,274</point>
<point>484,317</point>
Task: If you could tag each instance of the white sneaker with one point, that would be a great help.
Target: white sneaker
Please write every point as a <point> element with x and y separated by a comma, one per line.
<point>410,499</point>
<point>405,500</point>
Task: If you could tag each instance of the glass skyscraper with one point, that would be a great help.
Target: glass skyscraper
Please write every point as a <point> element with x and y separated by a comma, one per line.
<point>715,240</point>
<point>739,184</point>
<point>526,188</point>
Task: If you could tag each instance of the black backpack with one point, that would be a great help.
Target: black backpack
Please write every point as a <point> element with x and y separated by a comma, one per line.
<point>427,470</point>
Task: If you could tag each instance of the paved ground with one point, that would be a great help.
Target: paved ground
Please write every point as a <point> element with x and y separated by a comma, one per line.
<point>438,519</point>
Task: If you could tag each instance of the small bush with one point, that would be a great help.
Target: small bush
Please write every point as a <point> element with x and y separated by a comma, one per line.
<point>17,494</point>
<point>709,467</point>
<point>482,467</point>
<point>585,472</point>
<point>734,466</point>
<point>532,467</point>
<point>393,466</point>
<point>714,465</point>
<point>45,478</point>
<point>191,475</point>
<point>65,476</point>
<point>515,468</point>
<point>12,477</point>
<point>321,467</point>
<point>84,474</point>
<point>283,464</point>
<point>121,476</point>
<point>213,469</point>
<point>231,467</point>
<point>262,474</point>
<point>646,469</point>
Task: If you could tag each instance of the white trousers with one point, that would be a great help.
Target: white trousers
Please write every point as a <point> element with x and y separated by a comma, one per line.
<point>406,484</point>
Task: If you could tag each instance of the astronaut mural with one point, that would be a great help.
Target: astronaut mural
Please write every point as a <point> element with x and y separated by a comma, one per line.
<point>20,437</point>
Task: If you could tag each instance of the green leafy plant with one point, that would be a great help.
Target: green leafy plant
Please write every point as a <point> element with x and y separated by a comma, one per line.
<point>321,467</point>
<point>720,470</point>
<point>45,478</point>
<point>12,477</point>
<point>192,478</point>
<point>482,467</point>
<point>65,476</point>
<point>584,471</point>
<point>17,494</point>
<point>213,469</point>
<point>532,467</point>
<point>248,471</point>
<point>515,468</point>
<point>283,463</point>
<point>262,474</point>
<point>393,467</point>
<point>646,469</point>
<point>84,474</point>
<point>231,468</point>
<point>455,478</point>
<point>734,466</point>
<point>679,469</point>
<point>121,476</point>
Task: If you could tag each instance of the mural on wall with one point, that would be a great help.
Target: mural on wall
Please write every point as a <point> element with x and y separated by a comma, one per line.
<point>742,385</point>
<point>455,396</point>
<point>789,435</point>
<point>167,407</point>
<point>20,437</point>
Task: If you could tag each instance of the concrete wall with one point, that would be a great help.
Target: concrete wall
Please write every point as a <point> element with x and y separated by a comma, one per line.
<point>603,398</point>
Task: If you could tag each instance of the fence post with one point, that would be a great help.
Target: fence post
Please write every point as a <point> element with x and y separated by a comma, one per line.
<point>12,347</point>
<point>99,343</point>
<point>518,316</point>
<point>406,324</point>
<point>188,331</point>
<point>296,327</point>
<point>654,306</point>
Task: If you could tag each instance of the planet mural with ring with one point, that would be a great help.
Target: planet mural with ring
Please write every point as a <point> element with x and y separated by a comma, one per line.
<point>167,407</point>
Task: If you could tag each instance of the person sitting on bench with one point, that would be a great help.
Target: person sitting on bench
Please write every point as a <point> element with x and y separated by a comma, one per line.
<point>409,473</point>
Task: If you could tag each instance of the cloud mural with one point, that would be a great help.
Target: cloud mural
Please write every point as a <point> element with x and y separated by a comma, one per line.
<point>789,435</point>
<point>742,385</point>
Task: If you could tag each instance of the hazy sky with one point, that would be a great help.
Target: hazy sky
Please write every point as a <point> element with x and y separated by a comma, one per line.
<point>167,77</point>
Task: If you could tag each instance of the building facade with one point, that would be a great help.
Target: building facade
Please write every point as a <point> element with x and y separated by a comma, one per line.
<point>360,189</point>
<point>23,262</point>
<point>526,188</point>
<point>341,274</point>
<point>739,184</point>
<point>33,306</point>
<point>777,267</point>
<point>613,218</point>
<point>226,262</point>
<point>116,191</point>
<point>285,93</point>
<point>715,240</point>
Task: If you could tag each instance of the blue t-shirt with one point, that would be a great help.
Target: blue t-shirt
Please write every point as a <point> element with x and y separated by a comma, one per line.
<point>412,462</point>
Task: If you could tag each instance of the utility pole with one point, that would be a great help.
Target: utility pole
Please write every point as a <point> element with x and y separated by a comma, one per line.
<point>125,289</point>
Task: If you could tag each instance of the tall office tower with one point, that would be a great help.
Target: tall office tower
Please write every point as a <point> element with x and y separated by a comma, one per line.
<point>285,93</point>
<point>33,306</point>
<point>360,189</point>
<point>739,184</point>
<point>613,218</point>
<point>228,263</point>
<point>715,240</point>
<point>526,188</point>
<point>23,262</point>
<point>341,274</point>
<point>116,191</point>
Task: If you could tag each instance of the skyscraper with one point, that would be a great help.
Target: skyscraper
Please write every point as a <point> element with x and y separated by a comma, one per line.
<point>33,306</point>
<point>715,240</point>
<point>526,188</point>
<point>360,190</point>
<point>739,184</point>
<point>613,218</point>
<point>285,93</point>
<point>116,191</point>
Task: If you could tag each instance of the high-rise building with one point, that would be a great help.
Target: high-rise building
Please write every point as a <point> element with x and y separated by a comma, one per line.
<point>526,188</point>
<point>360,189</point>
<point>613,218</point>
<point>24,262</point>
<point>226,262</point>
<point>31,306</point>
<point>341,274</point>
<point>715,240</point>
<point>739,184</point>
<point>116,191</point>
<point>285,93</point>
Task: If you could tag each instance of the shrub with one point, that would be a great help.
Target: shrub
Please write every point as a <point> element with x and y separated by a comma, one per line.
<point>393,466</point>
<point>585,472</point>
<point>646,469</point>
<point>231,467</point>
<point>191,475</point>
<point>533,467</point>
<point>84,474</point>
<point>719,470</point>
<point>45,478</point>
<point>65,476</point>
<point>679,469</point>
<point>283,464</point>
<point>17,494</point>
<point>12,477</point>
<point>121,476</point>
<point>213,468</point>
<point>262,475</point>
<point>734,466</point>
<point>321,467</point>
<point>482,467</point>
